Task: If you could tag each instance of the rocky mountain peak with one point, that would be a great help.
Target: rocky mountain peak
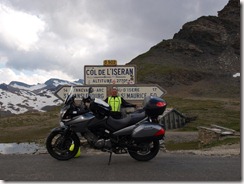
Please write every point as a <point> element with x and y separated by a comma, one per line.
<point>231,11</point>
<point>205,50</point>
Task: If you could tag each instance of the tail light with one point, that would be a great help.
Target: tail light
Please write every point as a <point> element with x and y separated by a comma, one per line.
<point>160,132</point>
<point>161,104</point>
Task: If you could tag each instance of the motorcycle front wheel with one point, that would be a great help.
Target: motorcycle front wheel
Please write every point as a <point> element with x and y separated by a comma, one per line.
<point>58,145</point>
<point>146,151</point>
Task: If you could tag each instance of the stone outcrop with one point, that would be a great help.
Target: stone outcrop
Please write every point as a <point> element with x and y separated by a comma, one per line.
<point>206,49</point>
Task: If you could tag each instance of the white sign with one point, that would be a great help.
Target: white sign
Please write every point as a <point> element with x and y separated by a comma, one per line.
<point>137,92</point>
<point>82,91</point>
<point>129,92</point>
<point>95,75</point>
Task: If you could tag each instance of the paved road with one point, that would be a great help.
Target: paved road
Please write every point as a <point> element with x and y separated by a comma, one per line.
<point>165,167</point>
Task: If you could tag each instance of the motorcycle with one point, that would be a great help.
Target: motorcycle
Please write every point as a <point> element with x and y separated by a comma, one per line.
<point>138,134</point>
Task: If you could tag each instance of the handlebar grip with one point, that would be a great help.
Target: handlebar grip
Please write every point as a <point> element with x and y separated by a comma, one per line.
<point>88,99</point>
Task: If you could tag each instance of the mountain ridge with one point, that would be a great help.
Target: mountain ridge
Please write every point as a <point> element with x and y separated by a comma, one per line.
<point>204,51</point>
<point>18,97</point>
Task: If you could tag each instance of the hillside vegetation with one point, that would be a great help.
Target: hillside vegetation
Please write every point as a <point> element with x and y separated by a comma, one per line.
<point>28,127</point>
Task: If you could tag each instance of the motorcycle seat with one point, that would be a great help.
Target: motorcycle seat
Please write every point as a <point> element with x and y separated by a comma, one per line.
<point>137,116</point>
<point>130,119</point>
<point>118,124</point>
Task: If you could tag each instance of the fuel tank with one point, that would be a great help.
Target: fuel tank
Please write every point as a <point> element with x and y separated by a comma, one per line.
<point>79,123</point>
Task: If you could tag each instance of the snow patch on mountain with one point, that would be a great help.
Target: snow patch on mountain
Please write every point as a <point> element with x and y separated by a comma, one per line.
<point>24,101</point>
<point>18,97</point>
<point>237,75</point>
<point>31,88</point>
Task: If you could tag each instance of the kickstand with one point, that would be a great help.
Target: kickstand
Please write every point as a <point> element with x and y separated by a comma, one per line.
<point>110,157</point>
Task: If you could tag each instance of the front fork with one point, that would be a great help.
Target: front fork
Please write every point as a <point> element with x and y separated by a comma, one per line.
<point>66,134</point>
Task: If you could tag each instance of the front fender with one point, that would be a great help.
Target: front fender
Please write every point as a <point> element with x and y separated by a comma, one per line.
<point>58,129</point>
<point>64,130</point>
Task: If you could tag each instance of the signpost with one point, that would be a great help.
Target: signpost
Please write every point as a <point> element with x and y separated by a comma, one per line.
<point>128,92</point>
<point>140,91</point>
<point>82,91</point>
<point>104,75</point>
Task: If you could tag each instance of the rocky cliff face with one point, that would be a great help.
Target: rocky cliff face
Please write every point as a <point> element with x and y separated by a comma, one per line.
<point>206,50</point>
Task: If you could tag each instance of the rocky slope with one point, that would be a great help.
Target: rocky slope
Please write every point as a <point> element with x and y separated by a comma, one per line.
<point>204,52</point>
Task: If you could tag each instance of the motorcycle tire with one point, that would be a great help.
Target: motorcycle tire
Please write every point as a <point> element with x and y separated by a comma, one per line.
<point>58,146</point>
<point>147,152</point>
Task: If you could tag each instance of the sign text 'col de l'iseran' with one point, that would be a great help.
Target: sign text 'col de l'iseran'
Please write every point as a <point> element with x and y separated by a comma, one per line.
<point>109,75</point>
<point>102,77</point>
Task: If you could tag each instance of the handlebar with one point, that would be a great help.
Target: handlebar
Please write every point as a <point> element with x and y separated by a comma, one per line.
<point>87,100</point>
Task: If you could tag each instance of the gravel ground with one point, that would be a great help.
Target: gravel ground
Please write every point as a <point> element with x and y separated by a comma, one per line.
<point>224,150</point>
<point>171,135</point>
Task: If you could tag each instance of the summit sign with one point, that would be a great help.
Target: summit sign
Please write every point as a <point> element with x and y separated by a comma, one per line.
<point>105,75</point>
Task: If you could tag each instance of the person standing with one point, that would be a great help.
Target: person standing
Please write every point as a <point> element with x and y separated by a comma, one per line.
<point>116,102</point>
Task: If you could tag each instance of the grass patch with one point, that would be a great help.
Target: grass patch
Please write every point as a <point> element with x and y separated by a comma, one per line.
<point>226,141</point>
<point>195,145</point>
<point>28,127</point>
<point>172,146</point>
<point>156,68</point>
<point>224,113</point>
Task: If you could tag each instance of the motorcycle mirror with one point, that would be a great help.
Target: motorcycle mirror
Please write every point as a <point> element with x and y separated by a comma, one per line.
<point>69,94</point>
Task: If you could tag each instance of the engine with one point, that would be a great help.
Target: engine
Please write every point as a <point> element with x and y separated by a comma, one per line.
<point>103,144</point>
<point>97,143</point>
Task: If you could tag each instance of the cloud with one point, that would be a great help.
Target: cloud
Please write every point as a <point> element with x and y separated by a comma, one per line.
<point>64,36</point>
<point>19,30</point>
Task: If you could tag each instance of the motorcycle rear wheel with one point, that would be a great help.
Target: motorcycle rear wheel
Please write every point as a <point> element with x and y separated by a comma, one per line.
<point>147,152</point>
<point>58,145</point>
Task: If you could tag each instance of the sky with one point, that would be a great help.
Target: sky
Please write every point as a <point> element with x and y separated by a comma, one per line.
<point>43,39</point>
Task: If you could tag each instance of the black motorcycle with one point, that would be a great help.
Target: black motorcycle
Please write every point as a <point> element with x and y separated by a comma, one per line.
<point>137,134</point>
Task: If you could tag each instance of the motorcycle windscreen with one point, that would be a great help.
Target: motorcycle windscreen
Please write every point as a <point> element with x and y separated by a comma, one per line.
<point>148,132</point>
